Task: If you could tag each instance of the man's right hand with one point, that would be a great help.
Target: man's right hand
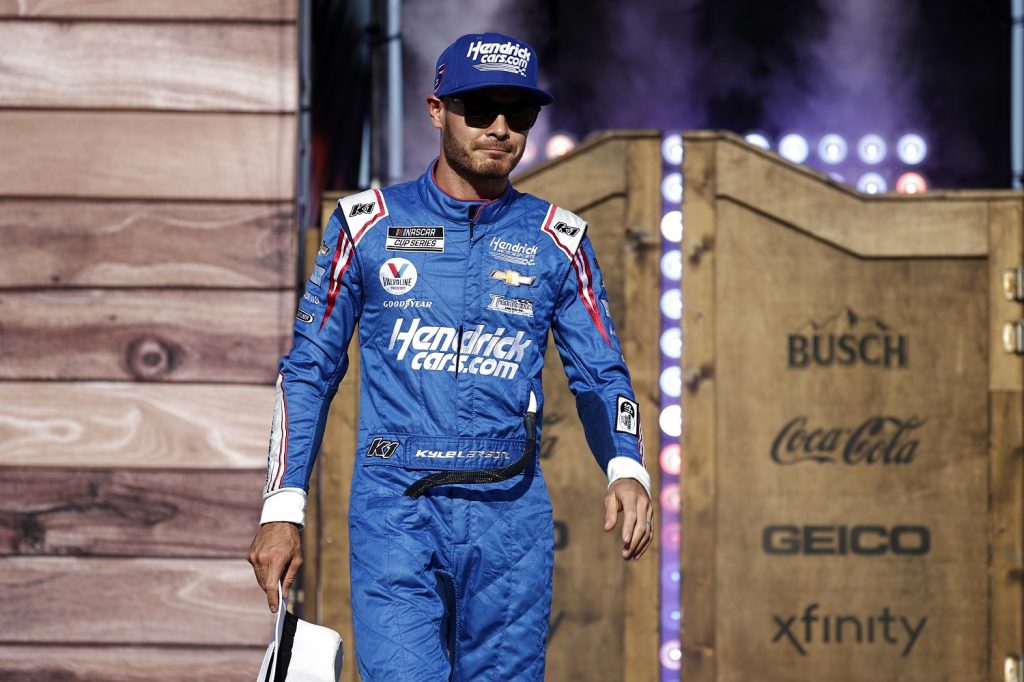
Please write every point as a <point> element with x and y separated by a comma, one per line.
<point>276,550</point>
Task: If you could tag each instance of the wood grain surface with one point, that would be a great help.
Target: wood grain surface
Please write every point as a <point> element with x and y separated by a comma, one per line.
<point>104,512</point>
<point>55,243</point>
<point>114,425</point>
<point>27,663</point>
<point>166,66</point>
<point>66,600</point>
<point>239,10</point>
<point>144,335</point>
<point>698,513</point>
<point>147,155</point>
<point>930,224</point>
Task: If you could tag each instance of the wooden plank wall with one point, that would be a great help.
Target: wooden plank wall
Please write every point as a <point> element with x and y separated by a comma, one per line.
<point>146,294</point>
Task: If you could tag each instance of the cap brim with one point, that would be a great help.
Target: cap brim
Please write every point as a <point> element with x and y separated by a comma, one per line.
<point>542,98</point>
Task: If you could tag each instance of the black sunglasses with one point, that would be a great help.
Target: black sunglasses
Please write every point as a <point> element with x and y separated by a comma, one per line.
<point>480,112</point>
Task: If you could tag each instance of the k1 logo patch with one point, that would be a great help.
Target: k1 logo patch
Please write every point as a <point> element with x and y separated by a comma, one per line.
<point>383,448</point>
<point>398,276</point>
<point>628,413</point>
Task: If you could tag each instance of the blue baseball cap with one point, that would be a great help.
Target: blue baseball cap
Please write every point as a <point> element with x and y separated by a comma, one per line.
<point>488,60</point>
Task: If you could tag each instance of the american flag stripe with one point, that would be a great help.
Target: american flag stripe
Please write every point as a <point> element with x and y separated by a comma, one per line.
<point>342,259</point>
<point>282,446</point>
<point>640,440</point>
<point>586,291</point>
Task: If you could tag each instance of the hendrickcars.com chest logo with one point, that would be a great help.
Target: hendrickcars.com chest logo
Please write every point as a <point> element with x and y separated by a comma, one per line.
<point>398,276</point>
<point>442,349</point>
<point>509,57</point>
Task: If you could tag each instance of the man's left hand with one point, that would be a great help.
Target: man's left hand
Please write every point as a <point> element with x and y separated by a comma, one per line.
<point>626,495</point>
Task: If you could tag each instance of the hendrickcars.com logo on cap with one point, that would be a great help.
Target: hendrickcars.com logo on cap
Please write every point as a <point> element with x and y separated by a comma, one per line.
<point>510,57</point>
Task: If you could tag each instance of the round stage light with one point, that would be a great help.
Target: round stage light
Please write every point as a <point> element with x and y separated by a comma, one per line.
<point>672,265</point>
<point>794,148</point>
<point>832,148</point>
<point>758,140</point>
<point>670,618</point>
<point>672,304</point>
<point>671,655</point>
<point>672,226</point>
<point>671,421</point>
<point>872,183</point>
<point>671,381</point>
<point>670,497</point>
<point>871,149</point>
<point>672,149</point>
<point>671,459</point>
<point>559,144</point>
<point>672,343</point>
<point>838,177</point>
<point>670,536</point>
<point>911,148</point>
<point>671,575</point>
<point>911,183</point>
<point>672,187</point>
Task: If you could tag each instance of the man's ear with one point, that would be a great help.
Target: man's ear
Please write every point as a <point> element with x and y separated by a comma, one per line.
<point>435,109</point>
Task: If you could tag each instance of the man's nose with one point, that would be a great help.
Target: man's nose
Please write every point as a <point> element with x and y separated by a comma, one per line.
<point>499,128</point>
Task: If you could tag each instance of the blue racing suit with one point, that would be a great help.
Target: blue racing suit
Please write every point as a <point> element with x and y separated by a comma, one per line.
<point>454,300</point>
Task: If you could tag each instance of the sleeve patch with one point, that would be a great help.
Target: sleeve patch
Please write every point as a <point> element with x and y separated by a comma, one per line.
<point>362,211</point>
<point>627,416</point>
<point>565,228</point>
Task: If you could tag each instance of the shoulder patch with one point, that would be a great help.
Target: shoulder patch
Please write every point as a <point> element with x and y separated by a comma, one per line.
<point>362,211</point>
<point>565,228</point>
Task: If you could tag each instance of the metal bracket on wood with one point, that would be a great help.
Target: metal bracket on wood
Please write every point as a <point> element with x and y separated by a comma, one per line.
<point>1013,284</point>
<point>1013,337</point>
<point>1013,669</point>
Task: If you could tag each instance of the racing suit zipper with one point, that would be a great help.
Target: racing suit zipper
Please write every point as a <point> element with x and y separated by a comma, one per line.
<point>458,352</point>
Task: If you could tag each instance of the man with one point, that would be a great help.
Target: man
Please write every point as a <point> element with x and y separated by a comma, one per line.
<point>455,279</point>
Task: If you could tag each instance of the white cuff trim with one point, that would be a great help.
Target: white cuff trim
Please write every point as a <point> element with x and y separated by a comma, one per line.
<point>286,504</point>
<point>627,467</point>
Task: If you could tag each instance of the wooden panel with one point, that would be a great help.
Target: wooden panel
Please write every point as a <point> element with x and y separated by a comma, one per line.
<point>212,602</point>
<point>592,173</point>
<point>1006,372</point>
<point>85,243</point>
<point>198,426</point>
<point>101,512</point>
<point>237,67</point>
<point>147,155</point>
<point>929,225</point>
<point>698,475</point>
<point>241,10</point>
<point>641,326</point>
<point>144,335</point>
<point>1006,622</point>
<point>26,663</point>
<point>926,405</point>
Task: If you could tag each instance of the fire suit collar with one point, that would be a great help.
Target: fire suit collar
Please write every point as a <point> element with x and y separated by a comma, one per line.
<point>460,211</point>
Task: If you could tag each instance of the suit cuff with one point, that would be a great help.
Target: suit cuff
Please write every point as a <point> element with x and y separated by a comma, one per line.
<point>286,504</point>
<point>627,467</point>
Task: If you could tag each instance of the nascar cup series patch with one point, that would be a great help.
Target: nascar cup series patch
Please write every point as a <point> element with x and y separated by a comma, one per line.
<point>398,276</point>
<point>418,238</point>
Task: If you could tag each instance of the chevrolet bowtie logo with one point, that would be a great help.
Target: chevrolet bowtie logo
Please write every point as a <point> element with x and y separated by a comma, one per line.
<point>512,278</point>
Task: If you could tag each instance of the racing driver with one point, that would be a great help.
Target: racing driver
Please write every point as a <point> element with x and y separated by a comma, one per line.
<point>455,279</point>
